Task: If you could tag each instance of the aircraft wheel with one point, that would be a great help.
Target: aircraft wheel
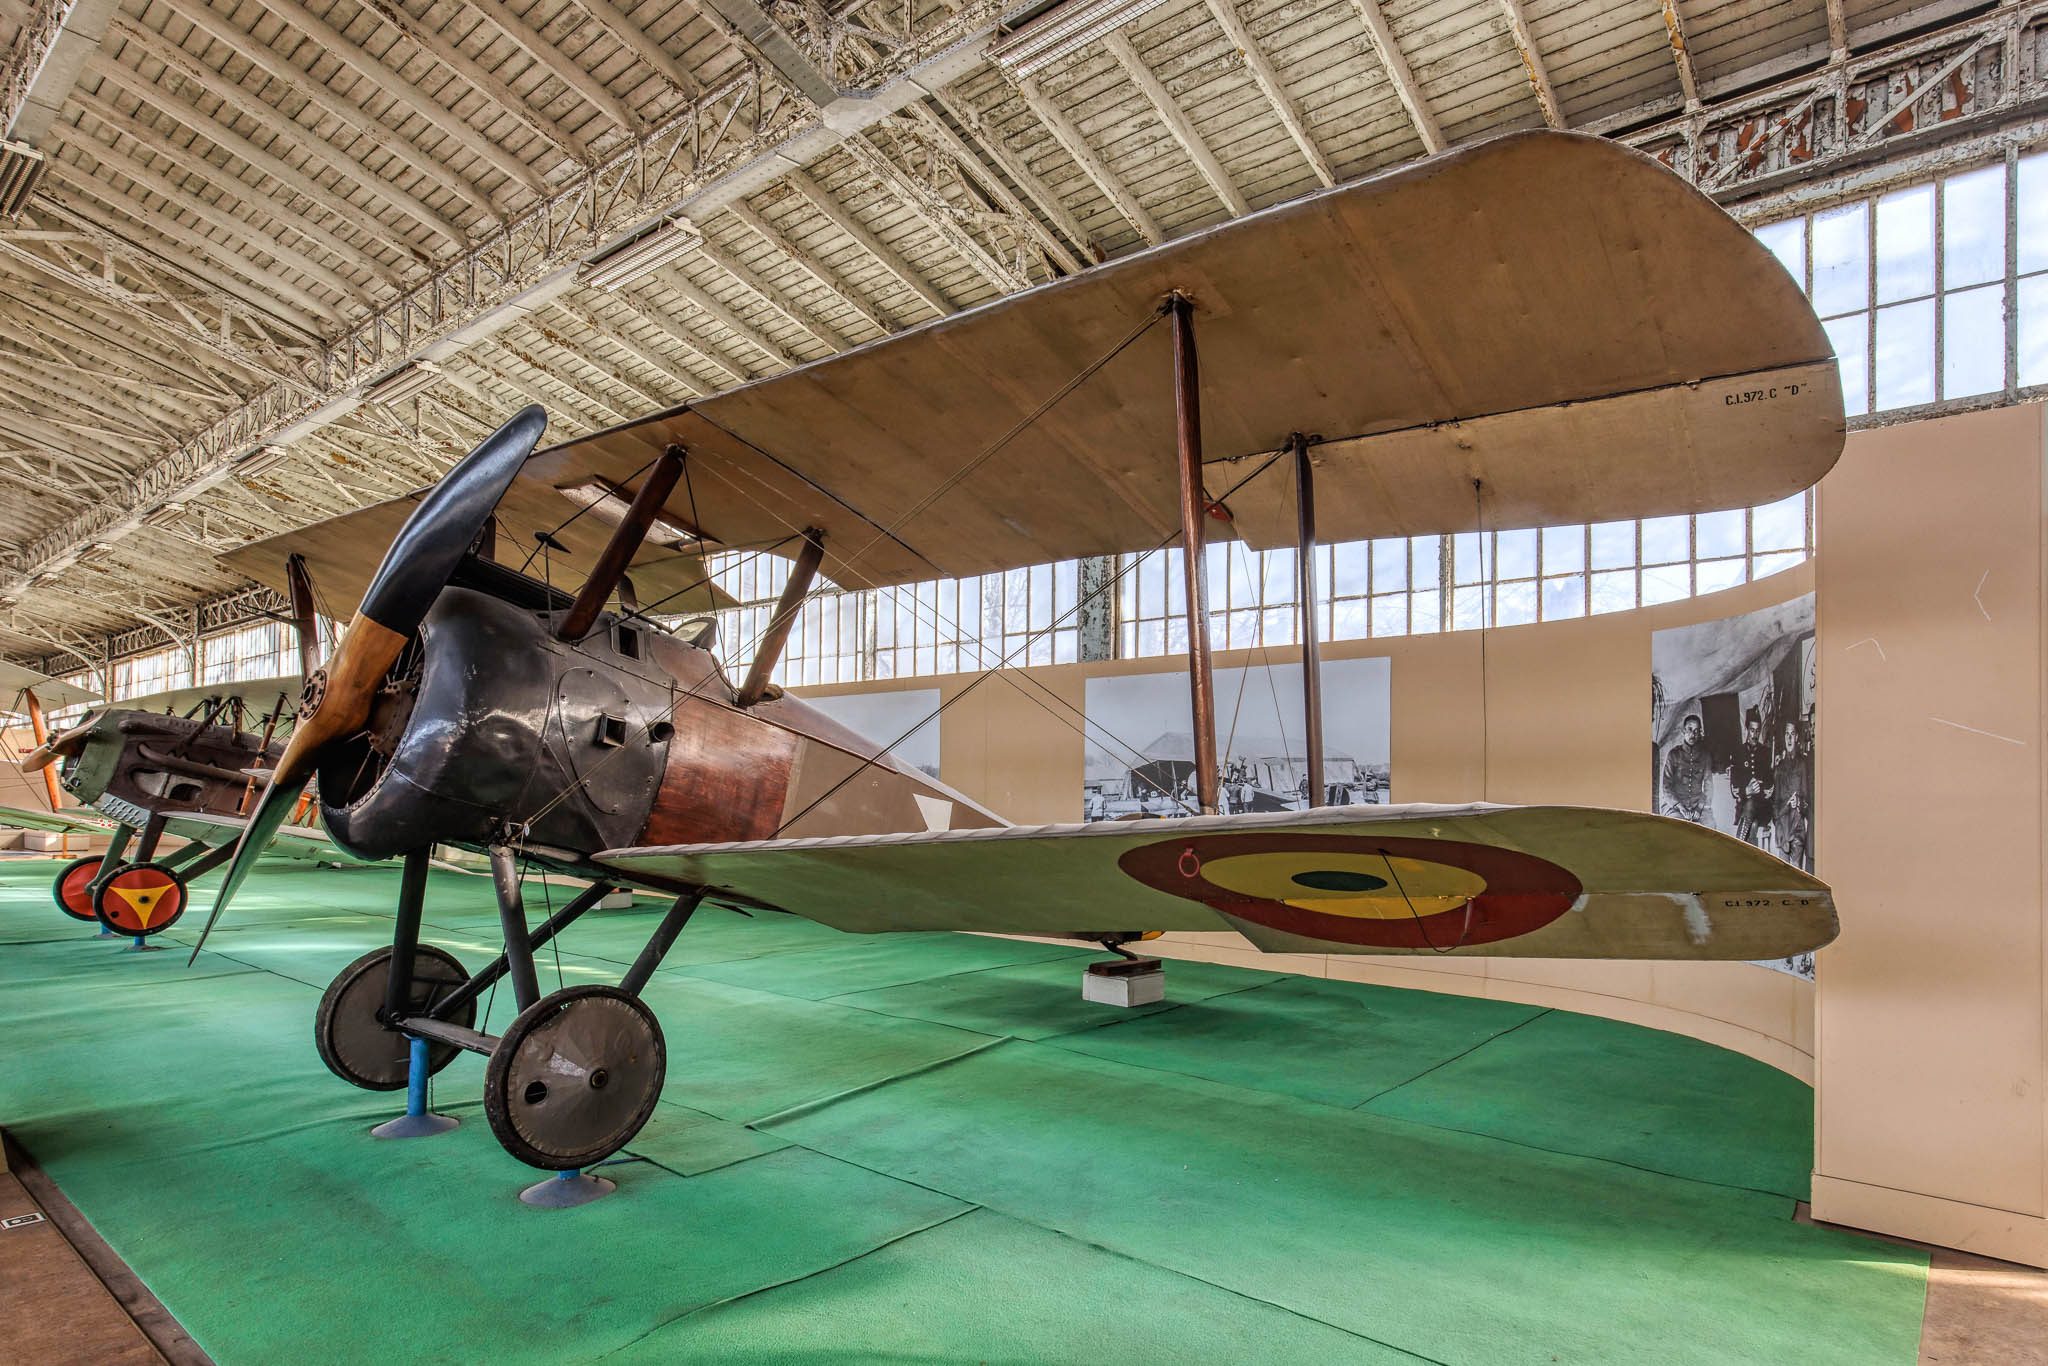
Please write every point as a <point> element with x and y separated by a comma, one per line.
<point>575,1077</point>
<point>140,899</point>
<point>360,1048</point>
<point>72,890</point>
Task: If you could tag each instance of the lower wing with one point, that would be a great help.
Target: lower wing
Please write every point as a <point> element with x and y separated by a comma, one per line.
<point>65,822</point>
<point>1510,881</point>
<point>301,842</point>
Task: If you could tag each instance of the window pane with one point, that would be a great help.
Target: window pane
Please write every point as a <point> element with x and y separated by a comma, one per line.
<point>2033,357</point>
<point>1468,608</point>
<point>1973,228</point>
<point>1390,565</point>
<point>1425,559</point>
<point>1390,615</point>
<point>1425,613</point>
<point>1349,578</point>
<point>1614,545</point>
<point>1851,340</point>
<point>1787,242</point>
<point>1280,580</point>
<point>1565,597</point>
<point>1780,525</point>
<point>1666,540</point>
<point>1514,604</point>
<point>1905,244</point>
<point>1905,355</point>
<point>1564,549</point>
<point>1973,342</point>
<point>1714,575</point>
<point>1515,555</point>
<point>1668,583</point>
<point>1720,533</point>
<point>1771,564</point>
<point>1841,260</point>
<point>1614,592</point>
<point>2033,213</point>
<point>1468,558</point>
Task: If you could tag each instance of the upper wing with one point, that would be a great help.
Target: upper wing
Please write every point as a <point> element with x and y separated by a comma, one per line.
<point>1557,316</point>
<point>53,693</point>
<point>343,552</point>
<point>258,695</point>
<point>1531,881</point>
<point>62,821</point>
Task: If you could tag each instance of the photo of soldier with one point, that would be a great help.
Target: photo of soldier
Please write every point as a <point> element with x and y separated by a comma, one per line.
<point>1749,778</point>
<point>1686,770</point>
<point>1731,707</point>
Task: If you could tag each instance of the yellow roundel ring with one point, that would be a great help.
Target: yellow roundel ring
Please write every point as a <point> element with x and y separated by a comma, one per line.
<point>1381,891</point>
<point>1373,886</point>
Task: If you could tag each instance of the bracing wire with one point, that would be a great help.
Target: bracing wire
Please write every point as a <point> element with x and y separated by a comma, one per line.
<point>885,532</point>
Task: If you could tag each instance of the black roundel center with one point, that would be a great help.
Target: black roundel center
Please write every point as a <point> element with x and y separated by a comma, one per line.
<point>1335,880</point>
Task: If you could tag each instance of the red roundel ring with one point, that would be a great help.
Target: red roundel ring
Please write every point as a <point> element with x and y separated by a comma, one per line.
<point>1382,891</point>
<point>143,898</point>
<point>74,887</point>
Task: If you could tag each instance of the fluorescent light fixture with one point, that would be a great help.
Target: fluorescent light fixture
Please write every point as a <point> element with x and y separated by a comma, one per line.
<point>609,501</point>
<point>624,264</point>
<point>1063,29</point>
<point>404,382</point>
<point>260,458</point>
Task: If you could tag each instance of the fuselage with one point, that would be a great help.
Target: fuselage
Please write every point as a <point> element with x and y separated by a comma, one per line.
<point>132,765</point>
<point>489,730</point>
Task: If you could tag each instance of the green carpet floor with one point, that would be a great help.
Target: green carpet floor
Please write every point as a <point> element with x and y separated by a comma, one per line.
<point>927,1148</point>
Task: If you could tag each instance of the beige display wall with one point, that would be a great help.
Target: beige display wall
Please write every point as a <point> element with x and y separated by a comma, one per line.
<point>1932,1098</point>
<point>1558,712</point>
<point>1927,1038</point>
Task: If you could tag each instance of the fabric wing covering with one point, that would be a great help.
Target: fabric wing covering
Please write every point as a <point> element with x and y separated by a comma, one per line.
<point>1556,316</point>
<point>1366,879</point>
<point>343,552</point>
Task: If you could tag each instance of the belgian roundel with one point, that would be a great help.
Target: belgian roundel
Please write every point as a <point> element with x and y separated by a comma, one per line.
<point>1386,892</point>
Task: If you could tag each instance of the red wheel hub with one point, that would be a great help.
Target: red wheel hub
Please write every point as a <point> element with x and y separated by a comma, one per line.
<point>142,900</point>
<point>74,889</point>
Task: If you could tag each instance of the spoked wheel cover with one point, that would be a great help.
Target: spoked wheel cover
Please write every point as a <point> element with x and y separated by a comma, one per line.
<point>357,1046</point>
<point>72,890</point>
<point>140,899</point>
<point>575,1077</point>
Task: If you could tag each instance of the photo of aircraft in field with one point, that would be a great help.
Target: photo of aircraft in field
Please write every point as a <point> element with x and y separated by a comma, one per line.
<point>1257,774</point>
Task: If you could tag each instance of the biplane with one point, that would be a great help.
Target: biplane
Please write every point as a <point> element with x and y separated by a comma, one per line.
<point>185,763</point>
<point>1539,329</point>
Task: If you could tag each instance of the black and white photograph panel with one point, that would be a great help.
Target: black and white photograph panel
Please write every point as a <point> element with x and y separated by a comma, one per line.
<point>1141,749</point>
<point>906,724</point>
<point>1731,715</point>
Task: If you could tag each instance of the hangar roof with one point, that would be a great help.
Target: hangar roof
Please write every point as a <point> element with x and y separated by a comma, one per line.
<point>252,213</point>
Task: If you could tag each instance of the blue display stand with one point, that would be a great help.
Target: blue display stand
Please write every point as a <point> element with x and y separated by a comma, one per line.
<point>416,1122</point>
<point>566,1190</point>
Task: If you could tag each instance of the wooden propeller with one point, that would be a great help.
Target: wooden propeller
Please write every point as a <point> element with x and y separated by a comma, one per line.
<point>415,569</point>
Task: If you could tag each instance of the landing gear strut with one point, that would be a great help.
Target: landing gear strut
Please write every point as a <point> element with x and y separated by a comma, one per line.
<point>571,1080</point>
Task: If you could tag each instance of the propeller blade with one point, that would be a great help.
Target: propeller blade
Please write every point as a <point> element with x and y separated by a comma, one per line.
<point>440,530</point>
<point>278,799</point>
<point>416,568</point>
<point>57,747</point>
